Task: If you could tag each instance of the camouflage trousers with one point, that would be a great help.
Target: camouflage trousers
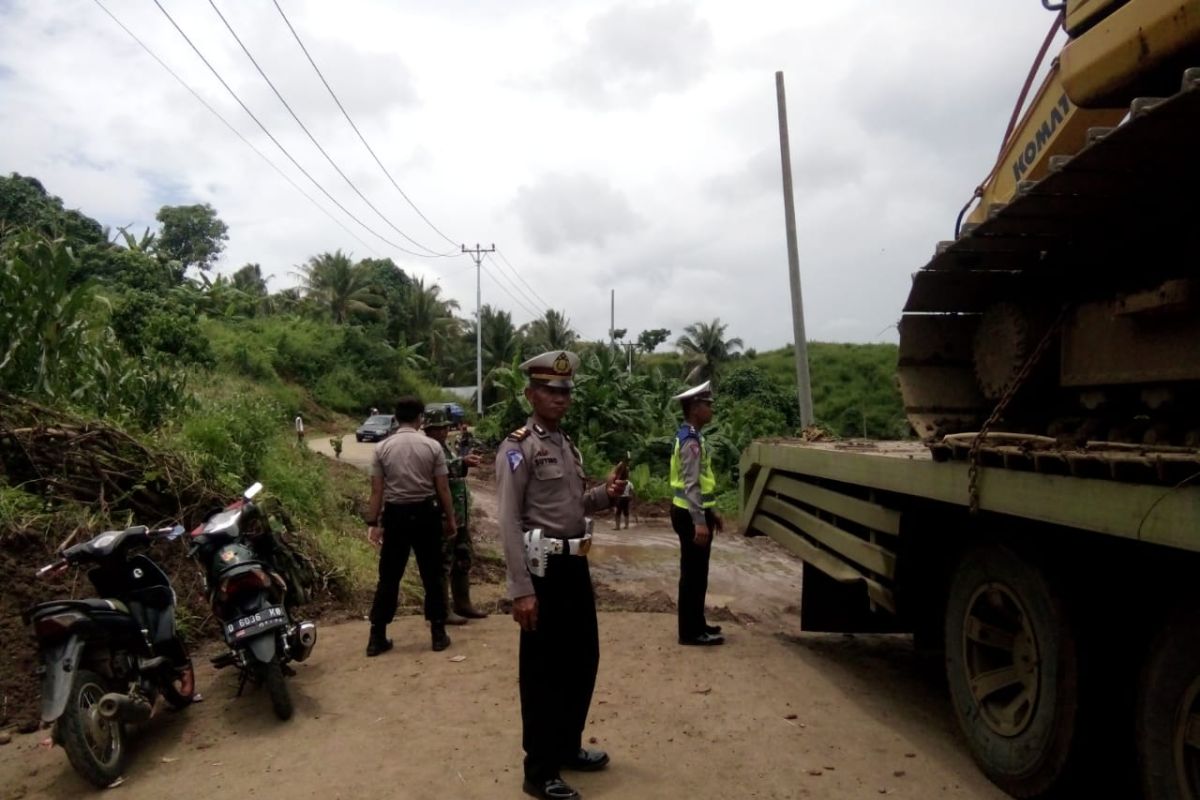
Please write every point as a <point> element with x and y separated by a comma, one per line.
<point>458,553</point>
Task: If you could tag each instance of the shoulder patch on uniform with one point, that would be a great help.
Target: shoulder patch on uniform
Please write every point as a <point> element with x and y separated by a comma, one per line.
<point>515,457</point>
<point>519,435</point>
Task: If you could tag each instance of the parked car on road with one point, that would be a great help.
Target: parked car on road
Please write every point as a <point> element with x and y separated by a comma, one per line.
<point>376,428</point>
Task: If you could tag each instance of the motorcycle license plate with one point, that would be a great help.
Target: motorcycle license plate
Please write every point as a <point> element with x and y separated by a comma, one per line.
<point>256,623</point>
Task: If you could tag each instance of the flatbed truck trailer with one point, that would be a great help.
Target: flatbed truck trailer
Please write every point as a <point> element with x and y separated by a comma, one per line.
<point>1064,598</point>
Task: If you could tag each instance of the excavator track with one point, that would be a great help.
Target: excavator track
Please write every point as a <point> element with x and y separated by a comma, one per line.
<point>1103,255</point>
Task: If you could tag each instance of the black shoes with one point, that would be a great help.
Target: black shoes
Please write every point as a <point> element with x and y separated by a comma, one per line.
<point>440,640</point>
<point>713,629</point>
<point>586,760</point>
<point>703,640</point>
<point>378,643</point>
<point>550,789</point>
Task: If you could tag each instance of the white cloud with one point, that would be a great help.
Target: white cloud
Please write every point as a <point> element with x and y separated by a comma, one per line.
<point>629,146</point>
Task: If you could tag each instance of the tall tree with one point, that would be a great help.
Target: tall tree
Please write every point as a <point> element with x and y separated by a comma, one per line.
<point>705,349</point>
<point>648,340</point>
<point>551,332</point>
<point>25,203</point>
<point>340,286</point>
<point>500,339</point>
<point>249,279</point>
<point>193,236</point>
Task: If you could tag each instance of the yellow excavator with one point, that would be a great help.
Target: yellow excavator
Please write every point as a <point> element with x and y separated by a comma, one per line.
<point>1066,306</point>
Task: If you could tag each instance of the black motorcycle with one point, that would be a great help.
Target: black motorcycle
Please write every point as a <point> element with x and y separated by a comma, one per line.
<point>235,548</point>
<point>105,660</point>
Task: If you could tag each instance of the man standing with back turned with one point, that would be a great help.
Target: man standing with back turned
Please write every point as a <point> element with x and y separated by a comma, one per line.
<point>408,473</point>
<point>692,514</point>
<point>540,483</point>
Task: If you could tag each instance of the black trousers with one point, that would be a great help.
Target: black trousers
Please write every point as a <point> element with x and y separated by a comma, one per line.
<point>693,572</point>
<point>416,527</point>
<point>558,665</point>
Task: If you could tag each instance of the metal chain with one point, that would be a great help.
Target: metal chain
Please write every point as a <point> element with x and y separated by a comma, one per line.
<point>1009,393</point>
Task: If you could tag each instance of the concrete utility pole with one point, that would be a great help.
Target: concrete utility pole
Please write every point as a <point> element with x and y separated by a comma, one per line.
<point>803,384</point>
<point>477,254</point>
<point>612,316</point>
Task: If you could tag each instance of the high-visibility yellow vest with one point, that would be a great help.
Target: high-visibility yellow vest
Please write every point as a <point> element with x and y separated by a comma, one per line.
<point>708,482</point>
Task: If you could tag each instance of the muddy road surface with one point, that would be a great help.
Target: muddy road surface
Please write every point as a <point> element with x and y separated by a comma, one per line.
<point>765,716</point>
<point>775,713</point>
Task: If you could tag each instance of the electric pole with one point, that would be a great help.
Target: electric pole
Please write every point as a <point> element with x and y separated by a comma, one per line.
<point>803,385</point>
<point>477,255</point>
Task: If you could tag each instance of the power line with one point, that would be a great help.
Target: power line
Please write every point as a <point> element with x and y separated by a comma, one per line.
<point>313,139</point>
<point>234,130</point>
<point>515,298</point>
<point>528,303</point>
<point>361,138</point>
<point>518,274</point>
<point>275,141</point>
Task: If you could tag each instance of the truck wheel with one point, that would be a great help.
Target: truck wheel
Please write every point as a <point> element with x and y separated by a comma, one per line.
<point>1012,669</point>
<point>1168,712</point>
<point>95,746</point>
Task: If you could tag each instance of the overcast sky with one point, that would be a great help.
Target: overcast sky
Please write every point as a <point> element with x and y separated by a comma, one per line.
<point>629,145</point>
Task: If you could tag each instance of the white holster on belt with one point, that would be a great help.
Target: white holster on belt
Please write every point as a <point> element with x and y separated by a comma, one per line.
<point>538,546</point>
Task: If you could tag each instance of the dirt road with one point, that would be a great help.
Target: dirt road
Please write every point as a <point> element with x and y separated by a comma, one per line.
<point>773,714</point>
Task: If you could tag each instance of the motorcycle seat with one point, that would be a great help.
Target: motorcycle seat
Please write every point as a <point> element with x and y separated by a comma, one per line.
<point>87,604</point>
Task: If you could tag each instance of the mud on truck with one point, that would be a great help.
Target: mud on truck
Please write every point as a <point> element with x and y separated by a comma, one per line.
<point>1044,532</point>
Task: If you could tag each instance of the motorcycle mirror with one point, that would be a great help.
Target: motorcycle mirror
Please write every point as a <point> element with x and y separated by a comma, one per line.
<point>253,490</point>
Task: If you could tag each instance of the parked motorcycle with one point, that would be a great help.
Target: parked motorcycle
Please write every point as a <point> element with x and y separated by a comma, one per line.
<point>234,547</point>
<point>106,660</point>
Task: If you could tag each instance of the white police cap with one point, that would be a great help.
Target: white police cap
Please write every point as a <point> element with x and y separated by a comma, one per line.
<point>701,392</point>
<point>555,368</point>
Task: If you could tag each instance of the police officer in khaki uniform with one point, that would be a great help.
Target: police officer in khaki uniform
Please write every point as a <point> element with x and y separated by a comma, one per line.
<point>542,503</point>
<point>410,487</point>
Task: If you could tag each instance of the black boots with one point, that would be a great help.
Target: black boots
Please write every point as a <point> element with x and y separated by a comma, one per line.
<point>378,643</point>
<point>460,586</point>
<point>440,640</point>
<point>452,617</point>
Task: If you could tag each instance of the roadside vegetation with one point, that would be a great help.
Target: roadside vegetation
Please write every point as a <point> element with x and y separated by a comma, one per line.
<point>137,385</point>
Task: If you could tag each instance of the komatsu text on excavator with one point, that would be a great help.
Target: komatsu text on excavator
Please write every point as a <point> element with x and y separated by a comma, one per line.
<point>1044,533</point>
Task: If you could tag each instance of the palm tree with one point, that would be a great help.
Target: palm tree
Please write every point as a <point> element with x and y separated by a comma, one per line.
<point>501,341</point>
<point>705,348</point>
<point>430,319</point>
<point>340,286</point>
<point>551,332</point>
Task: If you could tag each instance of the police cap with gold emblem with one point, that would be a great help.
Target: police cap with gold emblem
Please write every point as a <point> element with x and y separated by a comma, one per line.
<point>701,392</point>
<point>555,368</point>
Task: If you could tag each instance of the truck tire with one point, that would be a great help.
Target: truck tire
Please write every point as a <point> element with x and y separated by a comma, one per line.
<point>1168,712</point>
<point>1012,669</point>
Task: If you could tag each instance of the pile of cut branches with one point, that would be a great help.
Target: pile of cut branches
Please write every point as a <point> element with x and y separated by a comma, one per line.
<point>63,458</point>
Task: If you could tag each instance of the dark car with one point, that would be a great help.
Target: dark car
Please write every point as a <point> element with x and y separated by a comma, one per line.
<point>376,428</point>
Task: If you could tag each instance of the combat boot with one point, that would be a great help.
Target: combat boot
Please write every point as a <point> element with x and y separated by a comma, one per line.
<point>452,616</point>
<point>378,641</point>
<point>461,586</point>
<point>440,640</point>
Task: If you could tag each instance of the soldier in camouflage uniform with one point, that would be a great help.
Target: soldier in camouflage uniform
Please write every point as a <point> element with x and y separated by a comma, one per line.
<point>458,552</point>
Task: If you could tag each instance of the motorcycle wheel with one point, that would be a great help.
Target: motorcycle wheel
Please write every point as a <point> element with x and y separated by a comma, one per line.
<point>95,746</point>
<point>277,689</point>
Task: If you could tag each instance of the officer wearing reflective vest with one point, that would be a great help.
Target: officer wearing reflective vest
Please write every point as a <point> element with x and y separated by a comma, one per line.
<point>692,514</point>
<point>543,497</point>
